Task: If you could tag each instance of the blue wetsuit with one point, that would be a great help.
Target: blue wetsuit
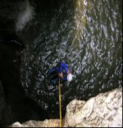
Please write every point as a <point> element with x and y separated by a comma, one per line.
<point>62,68</point>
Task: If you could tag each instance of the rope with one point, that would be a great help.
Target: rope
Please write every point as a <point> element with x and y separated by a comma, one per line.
<point>60,111</point>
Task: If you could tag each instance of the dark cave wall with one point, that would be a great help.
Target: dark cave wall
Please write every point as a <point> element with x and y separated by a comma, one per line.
<point>16,106</point>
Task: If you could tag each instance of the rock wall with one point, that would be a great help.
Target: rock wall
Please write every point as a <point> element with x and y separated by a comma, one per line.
<point>104,110</point>
<point>15,105</point>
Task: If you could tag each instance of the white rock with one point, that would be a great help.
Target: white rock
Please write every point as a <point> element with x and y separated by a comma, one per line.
<point>104,110</point>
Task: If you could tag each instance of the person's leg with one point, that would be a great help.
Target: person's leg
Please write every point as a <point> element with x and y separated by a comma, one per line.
<point>54,78</point>
<point>53,73</point>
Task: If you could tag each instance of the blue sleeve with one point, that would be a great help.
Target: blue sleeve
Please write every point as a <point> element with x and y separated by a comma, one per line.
<point>63,66</point>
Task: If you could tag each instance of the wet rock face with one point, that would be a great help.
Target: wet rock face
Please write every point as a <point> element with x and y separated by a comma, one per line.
<point>16,106</point>
<point>104,110</point>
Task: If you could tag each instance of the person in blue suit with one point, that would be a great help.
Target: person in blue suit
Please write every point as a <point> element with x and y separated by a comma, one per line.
<point>63,71</point>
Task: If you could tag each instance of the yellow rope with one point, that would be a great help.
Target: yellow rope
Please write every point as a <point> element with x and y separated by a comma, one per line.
<point>60,111</point>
